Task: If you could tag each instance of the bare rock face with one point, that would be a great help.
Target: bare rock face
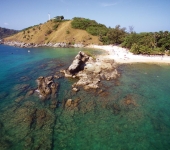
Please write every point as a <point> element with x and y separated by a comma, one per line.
<point>46,87</point>
<point>90,72</point>
<point>78,63</point>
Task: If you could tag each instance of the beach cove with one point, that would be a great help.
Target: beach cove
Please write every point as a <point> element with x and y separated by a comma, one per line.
<point>131,112</point>
<point>123,55</point>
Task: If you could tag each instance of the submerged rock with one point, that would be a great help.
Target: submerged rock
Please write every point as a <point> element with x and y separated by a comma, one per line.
<point>72,104</point>
<point>53,104</point>
<point>24,78</point>
<point>19,99</point>
<point>29,93</point>
<point>129,100</point>
<point>68,103</point>
<point>21,87</point>
<point>116,108</point>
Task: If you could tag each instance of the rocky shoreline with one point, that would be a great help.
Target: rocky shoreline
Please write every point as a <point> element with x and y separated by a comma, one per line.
<point>88,70</point>
<point>32,45</point>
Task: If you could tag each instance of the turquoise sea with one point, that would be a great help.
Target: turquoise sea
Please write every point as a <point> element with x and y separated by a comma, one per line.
<point>132,112</point>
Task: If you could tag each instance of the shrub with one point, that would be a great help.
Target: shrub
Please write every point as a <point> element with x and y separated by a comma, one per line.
<point>55,26</point>
<point>90,54</point>
<point>48,32</point>
<point>91,26</point>
<point>82,23</point>
<point>135,49</point>
<point>68,32</point>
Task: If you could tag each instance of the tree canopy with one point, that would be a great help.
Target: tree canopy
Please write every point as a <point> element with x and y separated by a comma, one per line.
<point>59,17</point>
<point>138,43</point>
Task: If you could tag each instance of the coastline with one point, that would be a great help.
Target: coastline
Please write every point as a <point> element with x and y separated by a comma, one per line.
<point>123,55</point>
<point>33,45</point>
<point>118,54</point>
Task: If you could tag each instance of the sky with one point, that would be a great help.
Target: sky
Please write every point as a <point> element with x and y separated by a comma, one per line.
<point>143,15</point>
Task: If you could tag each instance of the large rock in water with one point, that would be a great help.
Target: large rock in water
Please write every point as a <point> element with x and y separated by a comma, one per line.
<point>47,87</point>
<point>90,72</point>
<point>78,63</point>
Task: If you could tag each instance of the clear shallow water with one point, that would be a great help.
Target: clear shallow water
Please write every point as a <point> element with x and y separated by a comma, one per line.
<point>132,112</point>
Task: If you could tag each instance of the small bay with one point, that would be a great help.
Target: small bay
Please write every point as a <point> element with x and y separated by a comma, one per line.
<point>131,112</point>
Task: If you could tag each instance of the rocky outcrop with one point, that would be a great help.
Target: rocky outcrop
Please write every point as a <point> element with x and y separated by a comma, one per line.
<point>31,45</point>
<point>90,71</point>
<point>47,87</point>
<point>78,63</point>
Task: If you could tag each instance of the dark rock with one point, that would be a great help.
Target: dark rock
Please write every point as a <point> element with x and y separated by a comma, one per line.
<point>47,91</point>
<point>46,87</point>
<point>103,93</point>
<point>116,109</point>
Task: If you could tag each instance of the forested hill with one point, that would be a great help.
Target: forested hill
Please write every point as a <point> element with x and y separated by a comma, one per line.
<point>139,43</point>
<point>6,32</point>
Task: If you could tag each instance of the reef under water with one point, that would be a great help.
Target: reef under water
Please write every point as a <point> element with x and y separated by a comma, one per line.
<point>131,112</point>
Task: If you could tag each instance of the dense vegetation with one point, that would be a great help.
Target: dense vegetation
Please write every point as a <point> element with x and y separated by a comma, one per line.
<point>148,43</point>
<point>138,43</point>
<point>6,32</point>
<point>90,26</point>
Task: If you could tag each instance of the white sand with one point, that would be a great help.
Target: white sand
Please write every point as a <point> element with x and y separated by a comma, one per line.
<point>122,55</point>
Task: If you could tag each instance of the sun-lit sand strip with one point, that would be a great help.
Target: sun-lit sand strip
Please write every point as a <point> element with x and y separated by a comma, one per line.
<point>123,55</point>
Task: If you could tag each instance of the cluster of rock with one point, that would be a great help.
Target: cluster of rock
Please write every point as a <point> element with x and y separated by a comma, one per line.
<point>47,87</point>
<point>31,45</point>
<point>20,44</point>
<point>90,71</point>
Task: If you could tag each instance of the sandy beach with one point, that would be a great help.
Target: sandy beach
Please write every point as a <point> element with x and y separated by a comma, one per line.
<point>123,55</point>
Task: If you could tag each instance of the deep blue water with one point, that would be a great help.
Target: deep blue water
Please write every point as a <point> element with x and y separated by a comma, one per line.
<point>133,112</point>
